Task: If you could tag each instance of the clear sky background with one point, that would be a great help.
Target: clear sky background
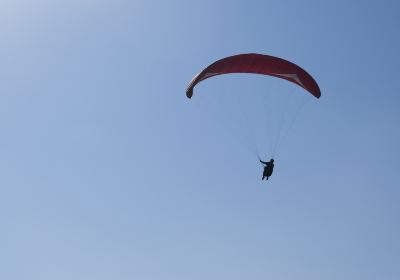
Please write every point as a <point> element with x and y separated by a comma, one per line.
<point>107,170</point>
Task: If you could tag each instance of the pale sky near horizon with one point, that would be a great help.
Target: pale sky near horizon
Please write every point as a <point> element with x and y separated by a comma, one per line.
<point>108,171</point>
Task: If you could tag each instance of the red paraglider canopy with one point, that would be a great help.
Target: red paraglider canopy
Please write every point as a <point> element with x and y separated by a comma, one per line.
<point>258,64</point>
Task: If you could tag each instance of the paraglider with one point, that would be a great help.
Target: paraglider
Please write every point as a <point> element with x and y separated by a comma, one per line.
<point>253,63</point>
<point>268,168</point>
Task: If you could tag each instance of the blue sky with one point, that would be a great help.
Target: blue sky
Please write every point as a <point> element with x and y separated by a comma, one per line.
<point>109,172</point>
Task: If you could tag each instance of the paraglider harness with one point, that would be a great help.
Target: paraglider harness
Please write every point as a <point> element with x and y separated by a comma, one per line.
<point>268,168</point>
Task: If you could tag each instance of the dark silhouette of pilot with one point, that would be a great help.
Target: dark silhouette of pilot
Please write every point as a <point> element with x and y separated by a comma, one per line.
<point>268,168</point>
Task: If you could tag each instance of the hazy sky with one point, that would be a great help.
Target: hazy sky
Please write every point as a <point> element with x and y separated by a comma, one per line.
<point>109,172</point>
